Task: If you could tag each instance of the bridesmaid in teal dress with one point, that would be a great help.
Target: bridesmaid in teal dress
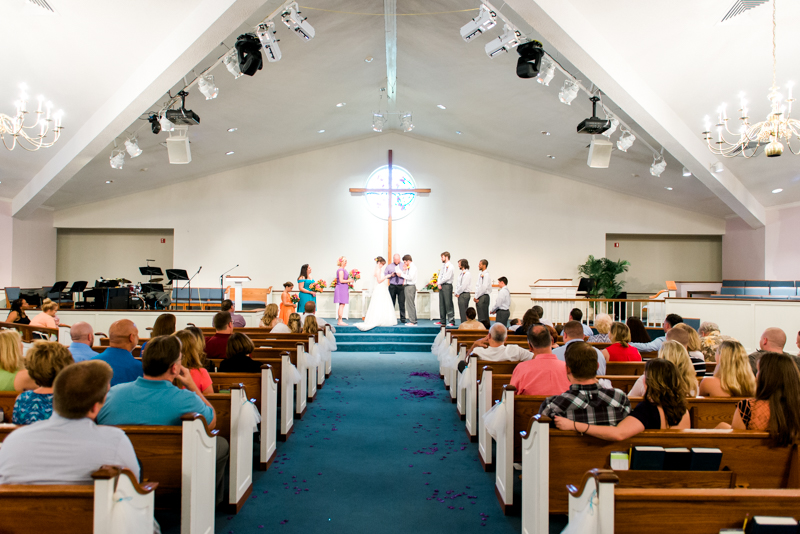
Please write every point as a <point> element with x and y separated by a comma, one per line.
<point>306,294</point>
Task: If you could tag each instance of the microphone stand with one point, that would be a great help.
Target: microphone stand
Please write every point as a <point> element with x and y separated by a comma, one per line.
<point>221,284</point>
<point>189,283</point>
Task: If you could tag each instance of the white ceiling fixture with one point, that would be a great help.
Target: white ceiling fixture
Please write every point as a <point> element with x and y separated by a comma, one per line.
<point>109,181</point>
<point>686,172</point>
<point>291,17</point>
<point>716,167</point>
<point>231,153</point>
<point>658,166</point>
<point>568,92</point>
<point>266,34</point>
<point>547,71</point>
<point>378,121</point>
<point>486,20</point>
<point>458,132</point>
<point>341,104</point>
<point>626,140</point>
<point>668,188</point>
<point>231,62</point>
<point>117,160</point>
<point>231,130</point>
<point>405,122</point>
<point>35,135</point>
<point>776,191</point>
<point>132,146</point>
<point>320,131</point>
<point>440,106</point>
<point>207,86</point>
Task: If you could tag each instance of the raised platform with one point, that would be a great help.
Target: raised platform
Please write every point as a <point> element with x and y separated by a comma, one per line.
<point>400,338</point>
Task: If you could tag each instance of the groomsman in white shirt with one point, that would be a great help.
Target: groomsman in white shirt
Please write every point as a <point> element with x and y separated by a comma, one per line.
<point>502,306</point>
<point>482,291</point>
<point>445,283</point>
<point>462,289</point>
<point>409,273</point>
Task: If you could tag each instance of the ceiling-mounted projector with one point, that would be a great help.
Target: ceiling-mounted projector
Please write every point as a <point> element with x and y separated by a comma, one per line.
<point>183,115</point>
<point>594,124</point>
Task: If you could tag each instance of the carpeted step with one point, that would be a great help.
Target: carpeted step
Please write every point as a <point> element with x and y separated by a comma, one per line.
<point>369,337</point>
<point>383,347</point>
<point>399,329</point>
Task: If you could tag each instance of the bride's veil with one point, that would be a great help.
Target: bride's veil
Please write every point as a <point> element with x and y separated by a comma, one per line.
<point>371,283</point>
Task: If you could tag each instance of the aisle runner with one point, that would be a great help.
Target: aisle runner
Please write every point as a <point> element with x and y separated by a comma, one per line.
<point>381,449</point>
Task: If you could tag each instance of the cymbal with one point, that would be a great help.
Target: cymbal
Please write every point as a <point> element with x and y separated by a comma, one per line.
<point>155,280</point>
<point>123,281</point>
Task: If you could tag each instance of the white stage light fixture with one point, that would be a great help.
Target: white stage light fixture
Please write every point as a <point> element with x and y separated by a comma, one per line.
<point>599,153</point>
<point>231,61</point>
<point>504,43</point>
<point>546,72</point>
<point>658,166</point>
<point>686,172</point>
<point>568,92</point>
<point>378,121</point>
<point>166,124</point>
<point>207,86</point>
<point>117,161</point>
<point>717,167</point>
<point>626,140</point>
<point>178,147</point>
<point>613,128</point>
<point>485,20</point>
<point>266,34</point>
<point>291,17</point>
<point>405,122</point>
<point>132,146</point>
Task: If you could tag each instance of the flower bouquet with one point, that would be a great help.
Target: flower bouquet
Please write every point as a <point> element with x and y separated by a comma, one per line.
<point>433,284</point>
<point>355,274</point>
<point>318,286</point>
<point>295,299</point>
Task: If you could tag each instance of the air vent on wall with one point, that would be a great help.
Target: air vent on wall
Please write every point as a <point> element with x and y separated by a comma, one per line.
<point>43,4</point>
<point>739,7</point>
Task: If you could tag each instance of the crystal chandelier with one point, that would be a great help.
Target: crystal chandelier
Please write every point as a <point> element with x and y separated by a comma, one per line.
<point>772,133</point>
<point>30,137</point>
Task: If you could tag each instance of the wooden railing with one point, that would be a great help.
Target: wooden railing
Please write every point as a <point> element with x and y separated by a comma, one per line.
<point>26,331</point>
<point>651,312</point>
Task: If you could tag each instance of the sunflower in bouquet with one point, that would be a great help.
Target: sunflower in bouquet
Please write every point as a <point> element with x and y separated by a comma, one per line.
<point>433,284</point>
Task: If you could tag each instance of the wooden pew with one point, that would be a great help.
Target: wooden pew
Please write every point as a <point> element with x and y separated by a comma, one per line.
<point>137,350</point>
<point>27,331</point>
<point>624,510</point>
<point>183,460</point>
<point>543,447</point>
<point>7,400</point>
<point>625,383</point>
<point>78,509</point>
<point>263,387</point>
<point>104,341</point>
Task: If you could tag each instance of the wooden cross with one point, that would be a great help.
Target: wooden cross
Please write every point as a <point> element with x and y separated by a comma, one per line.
<point>390,191</point>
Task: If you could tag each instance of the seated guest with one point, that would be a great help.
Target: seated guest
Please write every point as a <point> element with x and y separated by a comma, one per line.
<point>44,361</point>
<point>216,345</point>
<point>586,401</point>
<point>577,315</point>
<point>82,336</point>
<point>573,333</point>
<point>602,323</point>
<point>683,336</point>
<point>695,347</point>
<point>732,375</point>
<point>13,375</point>
<point>295,323</point>
<point>123,338</point>
<point>676,353</point>
<point>529,319</point>
<point>620,350</point>
<point>538,310</point>
<point>240,347</point>
<point>513,324</point>
<point>664,406</point>
<point>46,318</point>
<point>544,374</point>
<point>68,447</point>
<point>493,347</point>
<point>772,340</point>
<point>164,326</point>
<point>710,340</point>
<point>671,321</point>
<point>638,331</point>
<point>471,323</point>
<point>193,358</point>
<point>237,320</point>
<point>776,406</point>
<point>311,309</point>
<point>272,321</point>
<point>17,314</point>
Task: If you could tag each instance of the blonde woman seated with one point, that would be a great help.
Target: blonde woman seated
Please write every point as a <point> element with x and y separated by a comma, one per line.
<point>664,406</point>
<point>271,320</point>
<point>620,350</point>
<point>733,376</point>
<point>295,323</point>
<point>194,359</point>
<point>676,353</point>
<point>603,324</point>
<point>13,376</point>
<point>47,317</point>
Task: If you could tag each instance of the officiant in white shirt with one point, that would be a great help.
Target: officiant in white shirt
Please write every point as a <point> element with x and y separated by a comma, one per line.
<point>409,273</point>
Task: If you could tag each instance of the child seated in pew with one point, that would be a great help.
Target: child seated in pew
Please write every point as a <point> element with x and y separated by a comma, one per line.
<point>586,401</point>
<point>193,358</point>
<point>240,347</point>
<point>295,323</point>
<point>664,406</point>
<point>776,406</point>
<point>44,361</point>
<point>676,353</point>
<point>68,447</point>
<point>733,376</point>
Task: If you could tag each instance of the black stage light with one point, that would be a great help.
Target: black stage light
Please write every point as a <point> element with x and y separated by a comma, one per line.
<point>248,48</point>
<point>530,57</point>
<point>183,115</point>
<point>154,124</point>
<point>594,124</point>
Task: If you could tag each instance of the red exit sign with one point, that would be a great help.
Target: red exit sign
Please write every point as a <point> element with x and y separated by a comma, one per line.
<point>616,245</point>
<point>163,240</point>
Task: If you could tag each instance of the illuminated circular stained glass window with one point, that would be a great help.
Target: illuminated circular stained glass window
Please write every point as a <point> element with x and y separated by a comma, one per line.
<point>402,203</point>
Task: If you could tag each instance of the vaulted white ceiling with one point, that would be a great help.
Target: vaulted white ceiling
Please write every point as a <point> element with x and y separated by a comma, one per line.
<point>112,63</point>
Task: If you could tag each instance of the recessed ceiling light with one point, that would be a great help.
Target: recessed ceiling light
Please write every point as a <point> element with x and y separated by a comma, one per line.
<point>232,129</point>
<point>545,132</point>
<point>109,181</point>
<point>668,188</point>
<point>440,106</point>
<point>635,175</point>
<point>144,169</point>
<point>341,104</point>
<point>777,190</point>
<point>229,153</point>
<point>368,59</point>
<point>458,132</point>
<point>320,131</point>
<point>551,157</point>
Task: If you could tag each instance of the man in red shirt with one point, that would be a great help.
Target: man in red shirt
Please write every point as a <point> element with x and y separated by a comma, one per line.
<point>545,374</point>
<point>216,345</point>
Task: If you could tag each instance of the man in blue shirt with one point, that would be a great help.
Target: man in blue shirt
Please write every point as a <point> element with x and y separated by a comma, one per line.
<point>82,340</point>
<point>152,399</point>
<point>573,331</point>
<point>123,338</point>
<point>670,321</point>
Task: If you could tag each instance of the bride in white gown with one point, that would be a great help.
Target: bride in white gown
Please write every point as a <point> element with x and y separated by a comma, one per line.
<point>381,310</point>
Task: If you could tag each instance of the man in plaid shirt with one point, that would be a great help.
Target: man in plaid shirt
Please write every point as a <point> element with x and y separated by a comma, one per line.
<point>586,401</point>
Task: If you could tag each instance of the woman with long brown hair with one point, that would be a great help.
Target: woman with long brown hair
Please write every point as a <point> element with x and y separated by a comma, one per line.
<point>194,359</point>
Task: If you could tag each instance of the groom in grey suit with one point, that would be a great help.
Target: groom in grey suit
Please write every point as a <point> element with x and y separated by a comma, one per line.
<point>410,289</point>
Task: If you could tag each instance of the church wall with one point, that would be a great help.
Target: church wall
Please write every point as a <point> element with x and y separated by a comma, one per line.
<point>6,240</point>
<point>33,250</point>
<point>274,216</point>
<point>782,254</point>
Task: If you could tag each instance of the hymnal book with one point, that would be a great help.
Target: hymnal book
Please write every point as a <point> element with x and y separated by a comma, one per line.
<point>647,458</point>
<point>619,460</point>
<point>706,459</point>
<point>677,459</point>
<point>761,524</point>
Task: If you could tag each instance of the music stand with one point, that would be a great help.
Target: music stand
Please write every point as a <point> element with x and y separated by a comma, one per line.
<point>180,274</point>
<point>151,271</point>
<point>59,288</point>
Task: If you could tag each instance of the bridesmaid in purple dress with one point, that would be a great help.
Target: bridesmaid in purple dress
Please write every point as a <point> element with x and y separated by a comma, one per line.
<point>341,294</point>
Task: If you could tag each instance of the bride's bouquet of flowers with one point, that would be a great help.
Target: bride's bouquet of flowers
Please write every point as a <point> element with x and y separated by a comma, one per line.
<point>432,285</point>
<point>318,286</point>
<point>295,299</point>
